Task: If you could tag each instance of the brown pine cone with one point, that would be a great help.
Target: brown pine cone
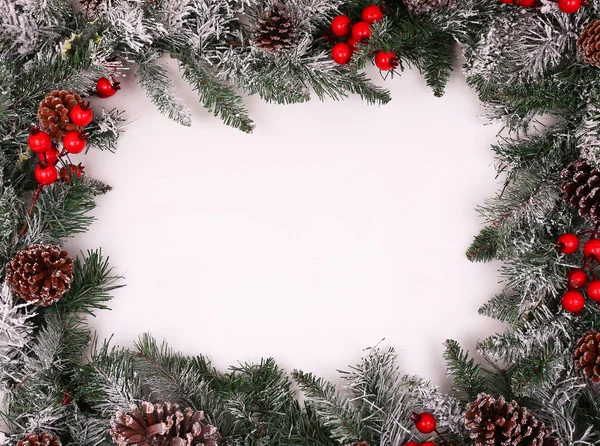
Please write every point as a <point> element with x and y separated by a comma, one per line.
<point>587,355</point>
<point>275,31</point>
<point>588,43</point>
<point>581,188</point>
<point>425,6</point>
<point>162,425</point>
<point>42,439</point>
<point>53,113</point>
<point>40,274</point>
<point>494,422</point>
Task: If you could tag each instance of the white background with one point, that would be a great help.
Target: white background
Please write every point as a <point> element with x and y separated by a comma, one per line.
<point>331,227</point>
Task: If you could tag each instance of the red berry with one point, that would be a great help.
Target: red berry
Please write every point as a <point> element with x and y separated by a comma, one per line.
<point>352,44</point>
<point>74,142</point>
<point>569,6</point>
<point>341,53</point>
<point>508,2</point>
<point>593,290</point>
<point>525,3</point>
<point>428,443</point>
<point>50,156</point>
<point>576,279</point>
<point>106,88</point>
<point>38,141</point>
<point>386,60</point>
<point>340,25</point>
<point>361,31</point>
<point>71,171</point>
<point>66,399</point>
<point>372,13</point>
<point>573,301</point>
<point>592,249</point>
<point>81,115</point>
<point>45,175</point>
<point>412,443</point>
<point>567,243</point>
<point>425,422</point>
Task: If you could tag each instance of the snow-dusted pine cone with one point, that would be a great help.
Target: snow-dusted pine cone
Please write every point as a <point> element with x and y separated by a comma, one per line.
<point>424,6</point>
<point>587,355</point>
<point>581,188</point>
<point>276,30</point>
<point>494,422</point>
<point>42,439</point>
<point>40,274</point>
<point>93,9</point>
<point>53,113</point>
<point>162,425</point>
<point>588,43</point>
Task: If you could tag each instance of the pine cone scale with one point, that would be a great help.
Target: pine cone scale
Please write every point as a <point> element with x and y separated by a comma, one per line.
<point>53,113</point>
<point>275,32</point>
<point>588,43</point>
<point>587,357</point>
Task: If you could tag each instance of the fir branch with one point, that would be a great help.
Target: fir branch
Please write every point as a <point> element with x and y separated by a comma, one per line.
<point>466,376</point>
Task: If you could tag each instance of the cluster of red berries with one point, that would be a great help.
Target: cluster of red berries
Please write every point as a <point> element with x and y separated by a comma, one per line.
<point>573,300</point>
<point>566,6</point>
<point>426,424</point>
<point>360,32</point>
<point>73,142</point>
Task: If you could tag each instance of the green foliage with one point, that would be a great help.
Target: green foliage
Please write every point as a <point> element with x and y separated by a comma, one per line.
<point>466,375</point>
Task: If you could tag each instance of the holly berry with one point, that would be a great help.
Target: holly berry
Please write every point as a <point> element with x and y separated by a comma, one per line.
<point>424,422</point>
<point>45,175</point>
<point>70,171</point>
<point>525,3</point>
<point>386,60</point>
<point>50,156</point>
<point>106,88</point>
<point>428,443</point>
<point>38,141</point>
<point>569,6</point>
<point>591,249</point>
<point>81,115</point>
<point>371,14</point>
<point>593,290</point>
<point>412,443</point>
<point>576,279</point>
<point>573,301</point>
<point>567,243</point>
<point>74,142</point>
<point>340,25</point>
<point>66,398</point>
<point>341,53</point>
<point>508,2</point>
<point>352,44</point>
<point>361,31</point>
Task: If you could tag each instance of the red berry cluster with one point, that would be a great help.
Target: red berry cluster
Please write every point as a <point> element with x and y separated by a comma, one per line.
<point>426,424</point>
<point>566,6</point>
<point>573,300</point>
<point>360,32</point>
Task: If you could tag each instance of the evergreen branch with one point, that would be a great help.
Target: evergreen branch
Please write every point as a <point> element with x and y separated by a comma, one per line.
<point>466,375</point>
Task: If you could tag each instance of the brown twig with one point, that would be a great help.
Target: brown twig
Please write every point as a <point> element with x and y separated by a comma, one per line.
<point>36,194</point>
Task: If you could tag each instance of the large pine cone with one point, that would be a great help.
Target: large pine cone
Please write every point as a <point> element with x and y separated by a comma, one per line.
<point>276,30</point>
<point>494,422</point>
<point>588,43</point>
<point>425,6</point>
<point>581,188</point>
<point>40,274</point>
<point>53,113</point>
<point>43,439</point>
<point>587,355</point>
<point>162,425</point>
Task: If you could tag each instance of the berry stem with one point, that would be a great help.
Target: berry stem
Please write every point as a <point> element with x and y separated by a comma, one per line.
<point>36,194</point>
<point>444,441</point>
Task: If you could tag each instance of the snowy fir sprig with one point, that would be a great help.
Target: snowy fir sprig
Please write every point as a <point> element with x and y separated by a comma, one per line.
<point>535,65</point>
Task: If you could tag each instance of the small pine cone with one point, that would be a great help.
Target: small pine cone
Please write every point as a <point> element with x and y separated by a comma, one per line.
<point>53,113</point>
<point>425,6</point>
<point>162,425</point>
<point>494,422</point>
<point>588,43</point>
<point>275,31</point>
<point>40,274</point>
<point>42,439</point>
<point>581,188</point>
<point>587,355</point>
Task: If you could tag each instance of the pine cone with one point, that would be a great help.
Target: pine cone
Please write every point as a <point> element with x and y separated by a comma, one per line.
<point>581,188</point>
<point>93,9</point>
<point>587,355</point>
<point>424,6</point>
<point>162,425</point>
<point>588,43</point>
<point>498,423</point>
<point>275,31</point>
<point>53,113</point>
<point>40,274</point>
<point>43,439</point>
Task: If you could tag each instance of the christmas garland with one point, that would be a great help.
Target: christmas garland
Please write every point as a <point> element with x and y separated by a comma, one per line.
<point>539,382</point>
